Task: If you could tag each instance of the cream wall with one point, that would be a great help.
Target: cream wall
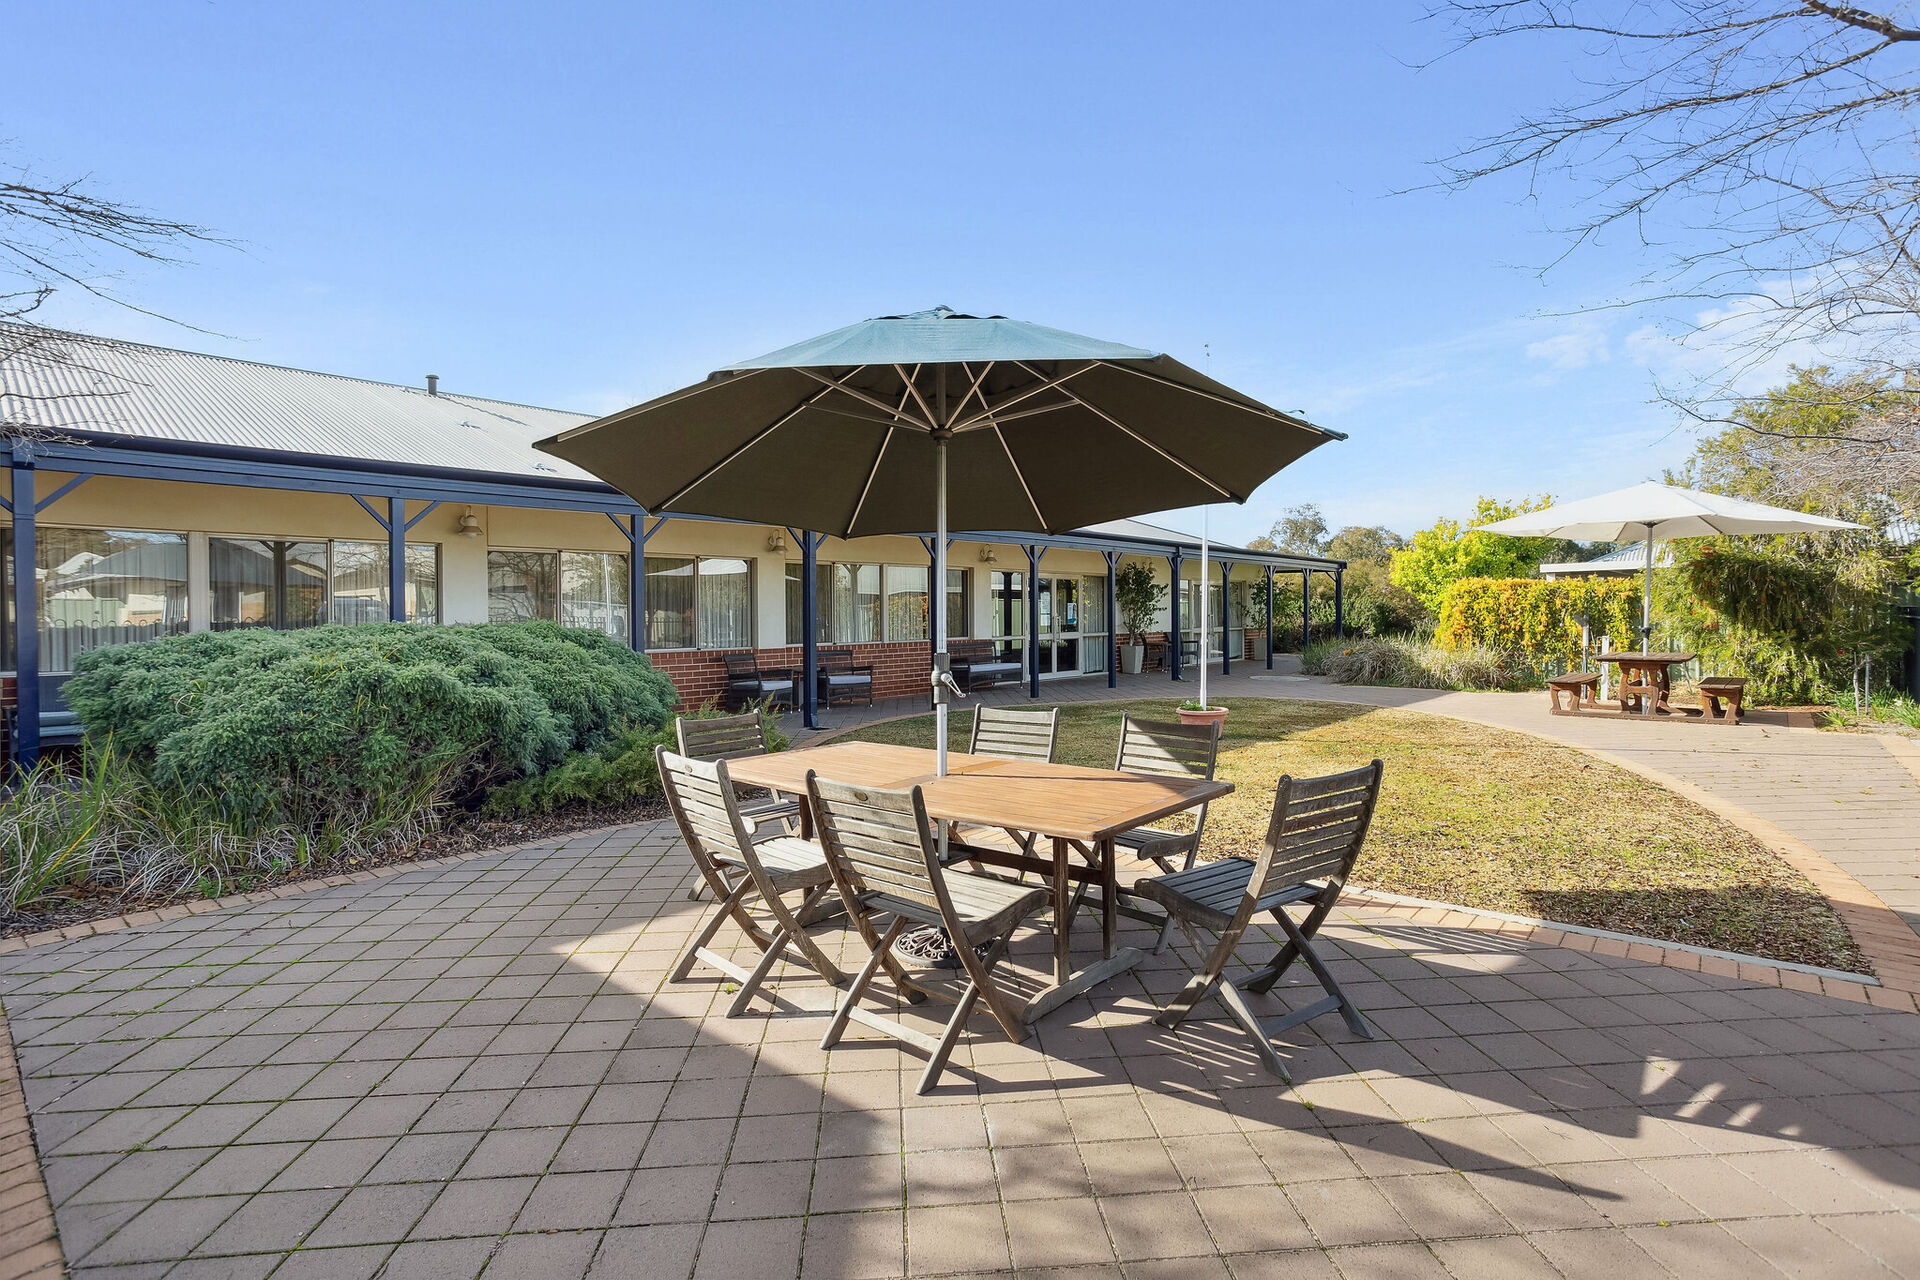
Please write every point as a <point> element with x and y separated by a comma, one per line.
<point>200,510</point>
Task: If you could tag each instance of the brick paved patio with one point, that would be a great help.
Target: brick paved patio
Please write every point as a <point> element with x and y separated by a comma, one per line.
<point>479,1067</point>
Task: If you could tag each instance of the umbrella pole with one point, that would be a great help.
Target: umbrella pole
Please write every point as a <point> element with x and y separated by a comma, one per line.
<point>1205,582</point>
<point>1646,599</point>
<point>940,692</point>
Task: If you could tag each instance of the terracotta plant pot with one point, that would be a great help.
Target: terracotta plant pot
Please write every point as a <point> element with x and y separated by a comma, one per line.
<point>1214,716</point>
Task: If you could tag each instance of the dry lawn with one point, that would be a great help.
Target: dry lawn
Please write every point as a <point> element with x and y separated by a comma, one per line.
<point>1488,818</point>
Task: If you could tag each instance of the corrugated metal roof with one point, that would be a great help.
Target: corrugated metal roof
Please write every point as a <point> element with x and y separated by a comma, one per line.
<point>126,388</point>
<point>1625,559</point>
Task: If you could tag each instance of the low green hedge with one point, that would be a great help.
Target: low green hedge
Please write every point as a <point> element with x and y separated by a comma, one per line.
<point>337,723</point>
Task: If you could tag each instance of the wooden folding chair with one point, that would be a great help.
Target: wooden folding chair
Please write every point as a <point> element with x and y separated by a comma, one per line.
<point>1313,838</point>
<point>740,870</point>
<point>1007,734</point>
<point>1170,749</point>
<point>880,849</point>
<point>730,738</point>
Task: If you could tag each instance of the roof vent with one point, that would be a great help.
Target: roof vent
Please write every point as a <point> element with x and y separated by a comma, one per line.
<point>433,384</point>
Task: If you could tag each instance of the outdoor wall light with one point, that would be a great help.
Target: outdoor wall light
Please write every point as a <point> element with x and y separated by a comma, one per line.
<point>987,556</point>
<point>470,525</point>
<point>776,541</point>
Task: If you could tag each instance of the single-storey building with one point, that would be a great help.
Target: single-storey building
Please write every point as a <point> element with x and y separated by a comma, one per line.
<point>156,492</point>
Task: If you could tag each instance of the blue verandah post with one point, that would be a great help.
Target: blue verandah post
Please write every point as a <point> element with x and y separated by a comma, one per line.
<point>1269,617</point>
<point>1339,608</point>
<point>1306,613</point>
<point>1033,620</point>
<point>1174,561</point>
<point>1226,659</point>
<point>26,602</point>
<point>809,638</point>
<point>1113,621</point>
<point>397,559</point>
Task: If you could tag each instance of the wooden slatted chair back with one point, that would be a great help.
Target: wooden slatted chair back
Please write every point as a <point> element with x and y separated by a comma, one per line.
<point>877,841</point>
<point>721,737</point>
<point>1317,829</point>
<point>1011,734</point>
<point>702,799</point>
<point>1151,746</point>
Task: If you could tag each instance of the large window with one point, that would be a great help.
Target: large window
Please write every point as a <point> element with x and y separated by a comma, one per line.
<point>865,603</point>
<point>101,587</point>
<point>1010,614</point>
<point>593,591</point>
<point>699,602</point>
<point>959,622</point>
<point>574,588</point>
<point>286,584</point>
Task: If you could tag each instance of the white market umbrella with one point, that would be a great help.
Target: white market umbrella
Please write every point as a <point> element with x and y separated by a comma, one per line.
<point>1663,512</point>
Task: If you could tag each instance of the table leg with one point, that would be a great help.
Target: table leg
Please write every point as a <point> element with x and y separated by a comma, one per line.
<point>1109,897</point>
<point>1062,914</point>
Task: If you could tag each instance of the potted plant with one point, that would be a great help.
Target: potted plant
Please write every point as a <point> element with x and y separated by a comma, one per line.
<point>1139,597</point>
<point>1251,603</point>
<point>1192,712</point>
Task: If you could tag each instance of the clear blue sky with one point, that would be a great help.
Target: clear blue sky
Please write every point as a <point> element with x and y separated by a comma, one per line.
<point>586,205</point>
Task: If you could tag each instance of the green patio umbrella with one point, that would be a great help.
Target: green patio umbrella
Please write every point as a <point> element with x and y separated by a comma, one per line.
<point>938,421</point>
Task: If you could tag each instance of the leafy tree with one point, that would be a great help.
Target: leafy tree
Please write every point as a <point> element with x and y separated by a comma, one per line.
<point>1438,557</point>
<point>1301,530</point>
<point>1365,544</point>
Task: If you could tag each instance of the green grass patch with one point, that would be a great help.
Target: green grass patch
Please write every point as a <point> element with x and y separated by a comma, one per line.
<point>1489,818</point>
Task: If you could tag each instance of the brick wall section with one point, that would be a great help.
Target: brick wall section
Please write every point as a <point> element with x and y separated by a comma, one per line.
<point>899,668</point>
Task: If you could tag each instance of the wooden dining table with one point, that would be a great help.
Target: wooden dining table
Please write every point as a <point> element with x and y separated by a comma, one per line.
<point>1079,810</point>
<point>1647,678</point>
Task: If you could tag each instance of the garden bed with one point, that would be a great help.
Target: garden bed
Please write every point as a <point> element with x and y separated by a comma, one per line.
<point>1490,818</point>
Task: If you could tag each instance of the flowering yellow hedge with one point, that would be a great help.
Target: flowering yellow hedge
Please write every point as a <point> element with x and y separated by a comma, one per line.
<point>1536,617</point>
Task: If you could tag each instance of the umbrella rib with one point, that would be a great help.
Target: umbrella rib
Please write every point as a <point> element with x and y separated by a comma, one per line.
<point>713,470</point>
<point>972,391</point>
<point>1135,435</point>
<point>867,488</point>
<point>1021,476</point>
<point>988,412</point>
<point>931,419</point>
<point>713,382</point>
<point>836,385</point>
<point>1260,409</point>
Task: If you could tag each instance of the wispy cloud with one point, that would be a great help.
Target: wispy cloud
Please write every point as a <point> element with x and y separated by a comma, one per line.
<point>1578,347</point>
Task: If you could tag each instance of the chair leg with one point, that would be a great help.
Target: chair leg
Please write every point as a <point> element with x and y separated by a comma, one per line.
<point>844,1013</point>
<point>768,958</point>
<point>948,1038</point>
<point>1183,1004</point>
<point>1348,1011</point>
<point>1283,959</point>
<point>791,926</point>
<point>692,953</point>
<point>1240,1012</point>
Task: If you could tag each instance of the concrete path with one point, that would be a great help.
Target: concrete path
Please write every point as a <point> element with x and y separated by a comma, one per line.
<point>481,1069</point>
<point>1848,800</point>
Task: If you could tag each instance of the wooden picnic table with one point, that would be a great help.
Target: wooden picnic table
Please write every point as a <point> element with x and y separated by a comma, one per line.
<point>1079,810</point>
<point>1646,678</point>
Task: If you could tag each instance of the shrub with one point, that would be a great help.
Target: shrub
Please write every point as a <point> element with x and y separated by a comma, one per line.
<point>621,769</point>
<point>1536,618</point>
<point>1417,664</point>
<point>1800,627</point>
<point>365,724</point>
